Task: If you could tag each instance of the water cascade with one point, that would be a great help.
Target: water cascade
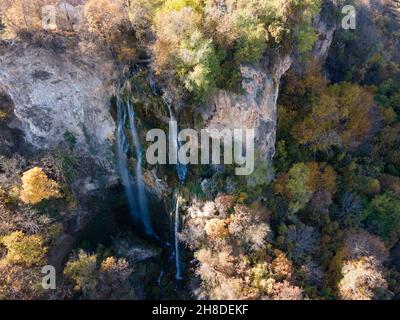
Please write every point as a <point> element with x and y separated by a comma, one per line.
<point>182,172</point>
<point>181,169</point>
<point>124,111</point>
<point>178,274</point>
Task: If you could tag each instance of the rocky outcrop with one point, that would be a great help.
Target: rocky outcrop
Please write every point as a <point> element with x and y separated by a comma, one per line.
<point>256,107</point>
<point>58,93</point>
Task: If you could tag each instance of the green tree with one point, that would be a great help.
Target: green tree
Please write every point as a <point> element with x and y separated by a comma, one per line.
<point>82,269</point>
<point>298,186</point>
<point>383,216</point>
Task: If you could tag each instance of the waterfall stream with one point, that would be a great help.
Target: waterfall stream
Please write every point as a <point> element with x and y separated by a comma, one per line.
<point>141,213</point>
<point>142,199</point>
<point>182,172</point>
<point>181,169</point>
<point>178,274</point>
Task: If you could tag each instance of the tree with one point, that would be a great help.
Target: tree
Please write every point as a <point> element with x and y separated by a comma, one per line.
<point>82,269</point>
<point>36,187</point>
<point>363,274</point>
<point>362,280</point>
<point>114,279</point>
<point>342,117</point>
<point>230,243</point>
<point>27,250</point>
<point>298,186</point>
<point>105,280</point>
<point>23,15</point>
<point>383,216</point>
<point>141,14</point>
<point>20,266</point>
<point>182,51</point>
<point>300,242</point>
<point>105,18</point>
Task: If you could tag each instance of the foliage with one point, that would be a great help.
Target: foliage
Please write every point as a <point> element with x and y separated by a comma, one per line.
<point>27,250</point>
<point>305,180</point>
<point>107,279</point>
<point>23,15</point>
<point>82,270</point>
<point>383,216</point>
<point>230,243</point>
<point>363,272</point>
<point>341,117</point>
<point>20,265</point>
<point>36,187</point>
<point>226,33</point>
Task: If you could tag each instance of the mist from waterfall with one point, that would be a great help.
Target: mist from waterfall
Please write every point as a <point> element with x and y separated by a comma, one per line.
<point>124,111</point>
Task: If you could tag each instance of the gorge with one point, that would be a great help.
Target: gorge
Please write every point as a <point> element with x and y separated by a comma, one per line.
<point>316,208</point>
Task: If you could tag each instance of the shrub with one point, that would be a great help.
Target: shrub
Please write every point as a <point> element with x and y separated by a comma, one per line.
<point>107,279</point>
<point>105,19</point>
<point>82,269</point>
<point>27,250</point>
<point>36,187</point>
<point>21,16</point>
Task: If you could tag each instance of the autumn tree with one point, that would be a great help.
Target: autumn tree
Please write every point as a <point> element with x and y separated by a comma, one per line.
<point>36,187</point>
<point>114,279</point>
<point>364,276</point>
<point>82,270</point>
<point>24,249</point>
<point>20,267</point>
<point>107,279</point>
<point>22,15</point>
<point>341,117</point>
<point>230,243</point>
<point>106,19</point>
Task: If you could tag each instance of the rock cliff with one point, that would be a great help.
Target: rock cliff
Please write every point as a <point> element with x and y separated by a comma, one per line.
<point>55,94</point>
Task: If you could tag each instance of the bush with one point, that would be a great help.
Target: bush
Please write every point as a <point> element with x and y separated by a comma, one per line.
<point>36,187</point>
<point>82,269</point>
<point>107,279</point>
<point>26,250</point>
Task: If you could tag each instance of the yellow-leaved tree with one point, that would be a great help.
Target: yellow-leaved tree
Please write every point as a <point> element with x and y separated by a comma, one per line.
<point>36,187</point>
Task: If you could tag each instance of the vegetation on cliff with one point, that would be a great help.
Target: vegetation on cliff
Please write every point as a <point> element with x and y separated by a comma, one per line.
<point>323,228</point>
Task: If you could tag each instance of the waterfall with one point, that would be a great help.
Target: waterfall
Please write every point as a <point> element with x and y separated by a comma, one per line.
<point>178,275</point>
<point>125,110</point>
<point>144,210</point>
<point>182,172</point>
<point>122,149</point>
<point>181,169</point>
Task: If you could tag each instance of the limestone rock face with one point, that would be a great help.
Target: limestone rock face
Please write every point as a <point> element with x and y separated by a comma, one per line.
<point>256,107</point>
<point>58,93</point>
